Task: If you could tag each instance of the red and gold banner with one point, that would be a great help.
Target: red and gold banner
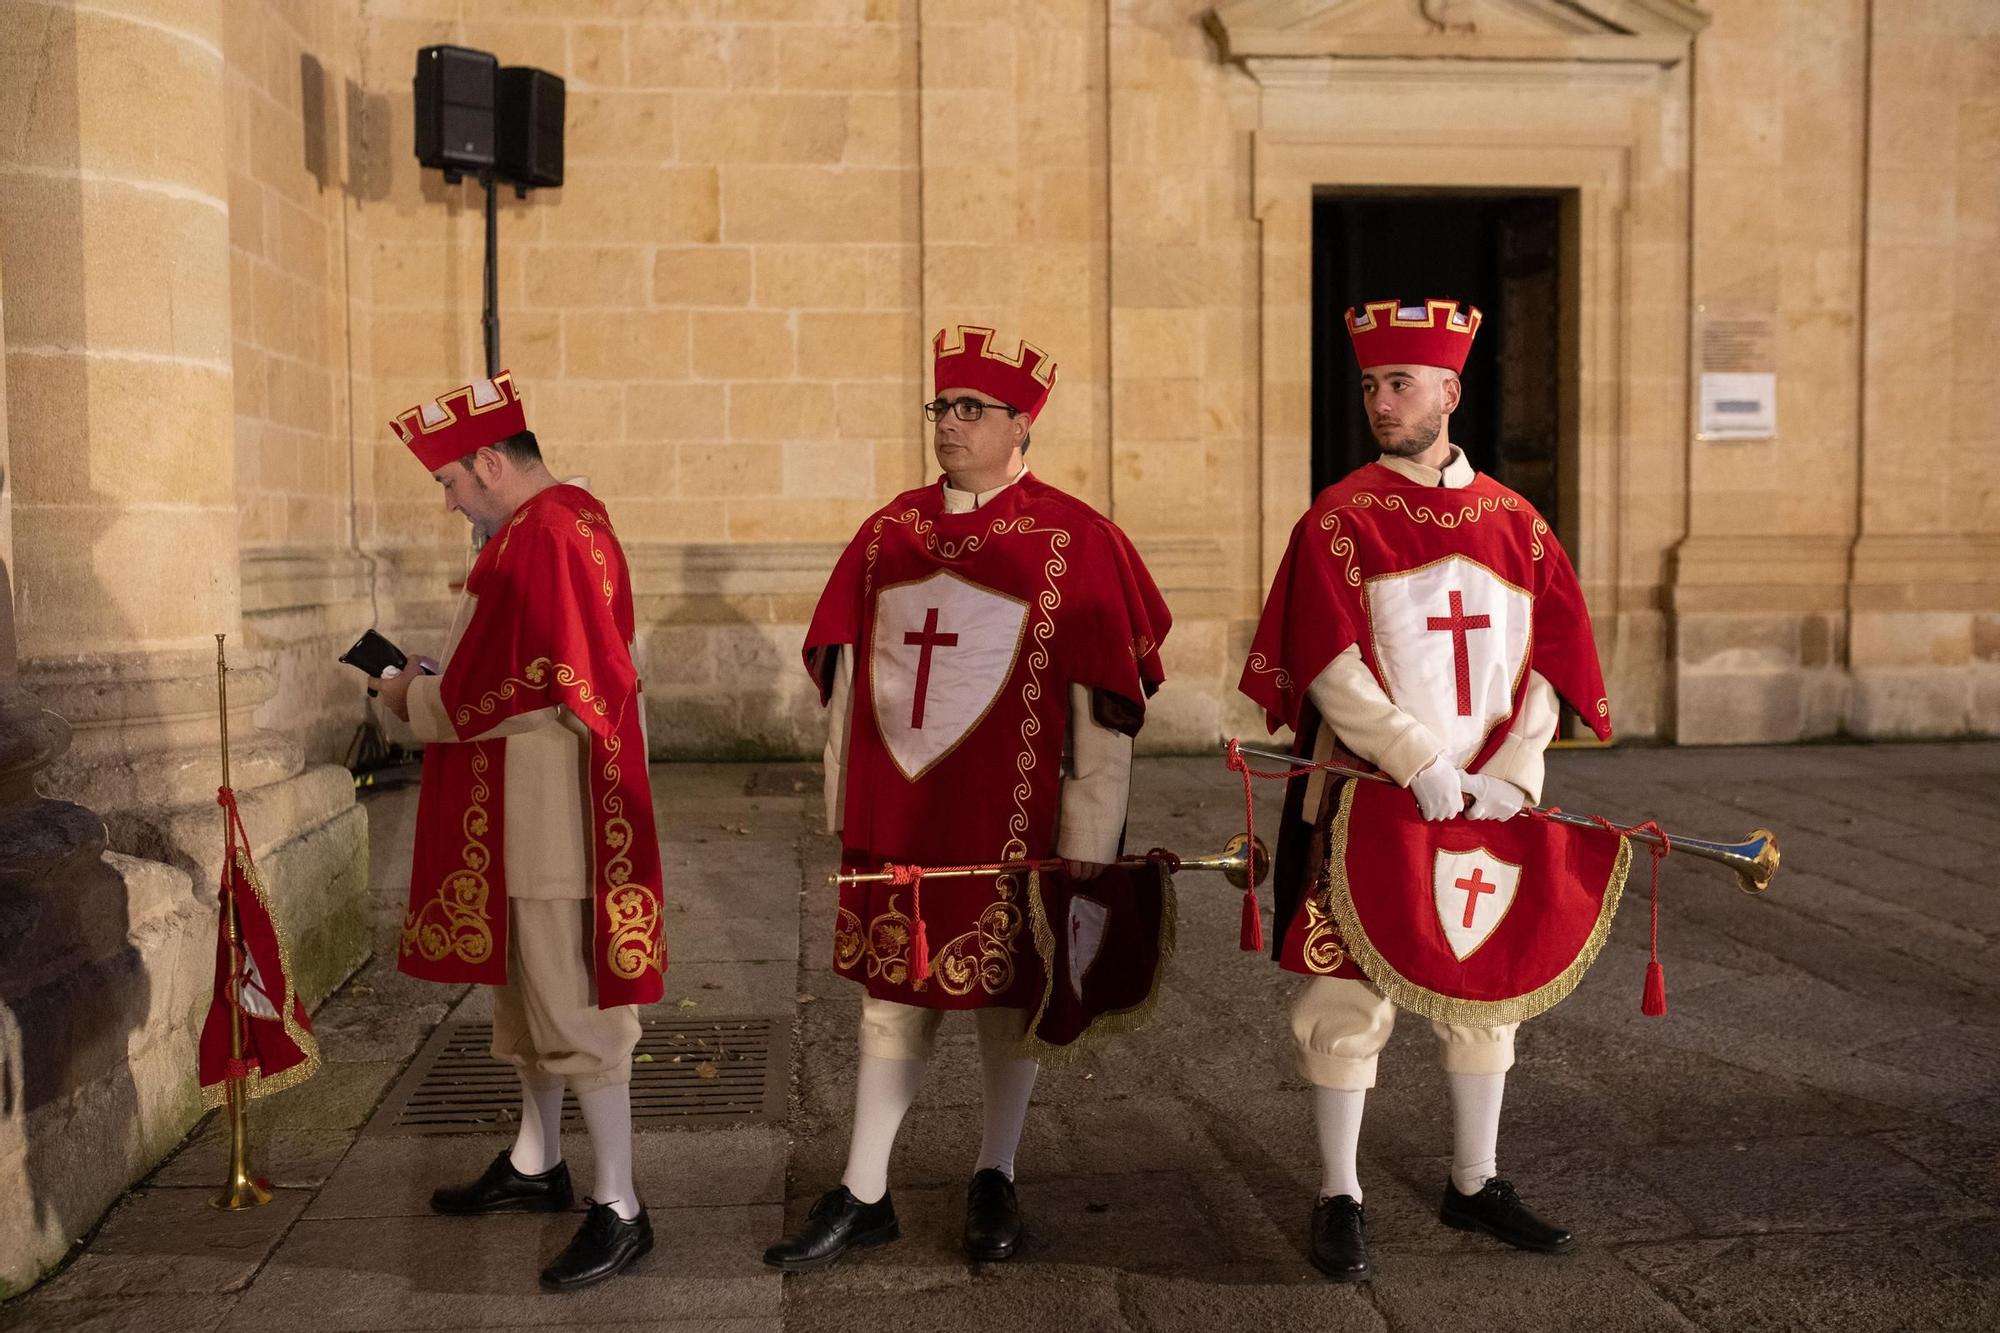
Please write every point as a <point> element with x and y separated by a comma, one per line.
<point>253,987</point>
<point>1479,922</point>
<point>1102,944</point>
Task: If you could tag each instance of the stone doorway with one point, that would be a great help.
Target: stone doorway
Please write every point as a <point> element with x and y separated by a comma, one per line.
<point>1503,252</point>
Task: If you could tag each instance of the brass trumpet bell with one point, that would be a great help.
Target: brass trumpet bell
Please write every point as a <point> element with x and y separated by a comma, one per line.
<point>1243,862</point>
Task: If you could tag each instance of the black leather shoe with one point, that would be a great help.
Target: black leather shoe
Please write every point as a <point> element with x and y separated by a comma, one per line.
<point>1499,1212</point>
<point>604,1246</point>
<point>992,1217</point>
<point>837,1223</point>
<point>1338,1240</point>
<point>502,1189</point>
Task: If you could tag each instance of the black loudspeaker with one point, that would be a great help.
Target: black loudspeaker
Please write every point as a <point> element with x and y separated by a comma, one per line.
<point>456,90</point>
<point>531,127</point>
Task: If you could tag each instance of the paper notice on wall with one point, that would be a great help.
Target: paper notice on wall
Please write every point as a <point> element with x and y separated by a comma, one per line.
<point>1739,406</point>
<point>1739,382</point>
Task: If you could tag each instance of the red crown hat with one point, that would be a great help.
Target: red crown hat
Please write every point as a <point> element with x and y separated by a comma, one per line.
<point>445,429</point>
<point>1436,333</point>
<point>967,359</point>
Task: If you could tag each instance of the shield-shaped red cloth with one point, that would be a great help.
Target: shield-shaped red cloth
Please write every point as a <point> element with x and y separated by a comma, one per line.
<point>1102,943</point>
<point>1478,922</point>
<point>253,974</point>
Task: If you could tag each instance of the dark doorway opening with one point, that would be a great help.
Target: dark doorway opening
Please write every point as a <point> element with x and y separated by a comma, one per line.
<point>1506,254</point>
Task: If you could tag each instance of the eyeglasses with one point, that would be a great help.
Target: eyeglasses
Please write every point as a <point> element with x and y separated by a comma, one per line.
<point>965,409</point>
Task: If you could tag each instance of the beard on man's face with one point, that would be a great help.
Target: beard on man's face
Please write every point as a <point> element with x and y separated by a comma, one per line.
<point>1401,441</point>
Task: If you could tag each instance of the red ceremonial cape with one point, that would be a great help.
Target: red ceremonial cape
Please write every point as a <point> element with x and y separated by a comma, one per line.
<point>985,620</point>
<point>277,1044</point>
<point>1378,546</point>
<point>552,626</point>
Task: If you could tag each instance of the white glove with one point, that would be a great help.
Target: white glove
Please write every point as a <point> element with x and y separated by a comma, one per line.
<point>1439,789</point>
<point>1492,798</point>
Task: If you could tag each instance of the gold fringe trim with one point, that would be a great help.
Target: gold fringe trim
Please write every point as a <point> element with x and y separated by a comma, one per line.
<point>1431,1004</point>
<point>256,1084</point>
<point>1108,1024</point>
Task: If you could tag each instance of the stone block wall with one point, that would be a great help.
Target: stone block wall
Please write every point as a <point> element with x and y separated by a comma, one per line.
<point>1835,579</point>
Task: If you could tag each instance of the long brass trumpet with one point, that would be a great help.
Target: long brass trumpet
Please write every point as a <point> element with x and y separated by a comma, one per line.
<point>1755,859</point>
<point>1240,863</point>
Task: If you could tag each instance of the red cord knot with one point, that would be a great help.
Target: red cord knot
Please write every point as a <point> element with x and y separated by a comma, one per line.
<point>1160,856</point>
<point>903,876</point>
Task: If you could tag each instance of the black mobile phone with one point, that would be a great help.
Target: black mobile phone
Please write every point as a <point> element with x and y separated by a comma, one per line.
<point>373,654</point>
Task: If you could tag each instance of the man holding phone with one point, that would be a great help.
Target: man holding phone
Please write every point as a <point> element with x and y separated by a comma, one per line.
<point>536,866</point>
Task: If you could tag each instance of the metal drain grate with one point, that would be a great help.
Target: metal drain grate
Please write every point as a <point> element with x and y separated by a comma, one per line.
<point>701,1072</point>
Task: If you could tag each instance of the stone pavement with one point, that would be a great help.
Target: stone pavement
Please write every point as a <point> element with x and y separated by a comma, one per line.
<point>1809,1140</point>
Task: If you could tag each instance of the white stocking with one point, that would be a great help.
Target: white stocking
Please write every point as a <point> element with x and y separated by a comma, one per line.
<point>1007,1082</point>
<point>607,1114</point>
<point>1475,1129</point>
<point>883,1091</point>
<point>1337,1118</point>
<point>538,1147</point>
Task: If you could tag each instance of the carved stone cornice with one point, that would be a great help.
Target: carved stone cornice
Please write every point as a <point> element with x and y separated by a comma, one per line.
<point>1289,41</point>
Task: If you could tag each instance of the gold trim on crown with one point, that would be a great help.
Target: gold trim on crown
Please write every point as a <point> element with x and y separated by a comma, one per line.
<point>1458,318</point>
<point>1044,372</point>
<point>503,383</point>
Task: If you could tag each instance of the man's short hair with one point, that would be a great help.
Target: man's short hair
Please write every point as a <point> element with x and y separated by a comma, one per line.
<point>521,449</point>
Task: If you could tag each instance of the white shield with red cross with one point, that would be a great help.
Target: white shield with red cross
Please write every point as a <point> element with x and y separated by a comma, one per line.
<point>1473,891</point>
<point>1451,639</point>
<point>944,646</point>
<point>1087,921</point>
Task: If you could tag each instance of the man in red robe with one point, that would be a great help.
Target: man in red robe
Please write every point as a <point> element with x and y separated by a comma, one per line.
<point>537,868</point>
<point>1426,620</point>
<point>986,647</point>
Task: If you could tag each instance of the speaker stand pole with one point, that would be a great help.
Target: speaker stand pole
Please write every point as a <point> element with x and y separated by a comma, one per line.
<point>490,321</point>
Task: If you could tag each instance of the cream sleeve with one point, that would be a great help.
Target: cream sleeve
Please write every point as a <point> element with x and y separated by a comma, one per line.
<point>1520,757</point>
<point>1368,722</point>
<point>1096,787</point>
<point>839,708</point>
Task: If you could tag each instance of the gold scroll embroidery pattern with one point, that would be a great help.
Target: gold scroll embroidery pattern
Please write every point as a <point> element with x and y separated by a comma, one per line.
<point>1031,693</point>
<point>534,677</point>
<point>1324,953</point>
<point>1263,666</point>
<point>1342,547</point>
<point>453,923</point>
<point>982,957</point>
<point>848,945</point>
<point>632,911</point>
<point>584,519</point>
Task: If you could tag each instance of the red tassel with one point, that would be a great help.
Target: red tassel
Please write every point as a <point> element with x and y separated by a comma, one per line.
<point>1654,1005</point>
<point>1252,937</point>
<point>920,954</point>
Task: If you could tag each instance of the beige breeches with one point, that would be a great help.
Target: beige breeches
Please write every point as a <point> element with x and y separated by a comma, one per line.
<point>546,1019</point>
<point>894,1031</point>
<point>1342,1025</point>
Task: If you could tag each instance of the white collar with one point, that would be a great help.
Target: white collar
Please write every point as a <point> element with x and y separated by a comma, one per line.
<point>1455,473</point>
<point>964,502</point>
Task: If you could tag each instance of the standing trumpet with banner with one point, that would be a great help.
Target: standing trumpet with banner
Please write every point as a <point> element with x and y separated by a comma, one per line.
<point>986,647</point>
<point>257,1039</point>
<point>1425,619</point>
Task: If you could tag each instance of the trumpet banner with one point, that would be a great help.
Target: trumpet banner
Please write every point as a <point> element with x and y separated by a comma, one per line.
<point>1103,944</point>
<point>253,977</point>
<point>1477,922</point>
